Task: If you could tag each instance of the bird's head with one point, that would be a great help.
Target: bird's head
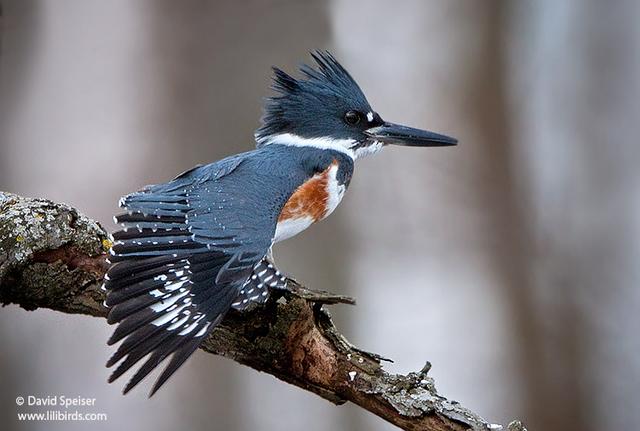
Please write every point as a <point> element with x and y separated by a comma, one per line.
<point>327,109</point>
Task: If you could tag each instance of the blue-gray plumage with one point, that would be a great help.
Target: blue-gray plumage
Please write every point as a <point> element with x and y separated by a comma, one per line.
<point>199,245</point>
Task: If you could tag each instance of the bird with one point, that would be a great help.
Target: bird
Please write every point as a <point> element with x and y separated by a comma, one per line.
<point>194,248</point>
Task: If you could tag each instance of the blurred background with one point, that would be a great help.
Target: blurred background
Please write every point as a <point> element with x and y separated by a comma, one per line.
<point>511,262</point>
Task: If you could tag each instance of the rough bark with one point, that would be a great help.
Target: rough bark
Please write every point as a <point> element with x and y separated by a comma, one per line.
<point>52,256</point>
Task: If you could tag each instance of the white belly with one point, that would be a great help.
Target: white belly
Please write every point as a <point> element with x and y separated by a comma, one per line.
<point>292,226</point>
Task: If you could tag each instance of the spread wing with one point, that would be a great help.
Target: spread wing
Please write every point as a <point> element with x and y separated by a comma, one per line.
<point>186,249</point>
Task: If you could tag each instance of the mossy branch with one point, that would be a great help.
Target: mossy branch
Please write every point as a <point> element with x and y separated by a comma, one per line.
<point>52,256</point>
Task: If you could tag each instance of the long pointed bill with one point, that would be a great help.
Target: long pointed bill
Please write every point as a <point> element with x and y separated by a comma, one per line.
<point>390,133</point>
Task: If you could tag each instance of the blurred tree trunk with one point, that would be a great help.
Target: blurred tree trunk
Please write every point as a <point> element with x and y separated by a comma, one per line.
<point>504,191</point>
<point>575,97</point>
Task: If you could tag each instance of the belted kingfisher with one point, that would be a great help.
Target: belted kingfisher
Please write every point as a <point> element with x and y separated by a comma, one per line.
<point>195,247</point>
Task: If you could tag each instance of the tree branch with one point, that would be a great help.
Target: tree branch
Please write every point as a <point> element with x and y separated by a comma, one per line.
<point>53,257</point>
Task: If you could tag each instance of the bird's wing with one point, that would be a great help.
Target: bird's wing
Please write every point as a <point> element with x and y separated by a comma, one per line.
<point>185,251</point>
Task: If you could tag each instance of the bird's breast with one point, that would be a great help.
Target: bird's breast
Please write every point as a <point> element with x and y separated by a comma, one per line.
<point>314,200</point>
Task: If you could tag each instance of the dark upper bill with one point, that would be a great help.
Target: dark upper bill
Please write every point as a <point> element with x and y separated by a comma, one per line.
<point>390,133</point>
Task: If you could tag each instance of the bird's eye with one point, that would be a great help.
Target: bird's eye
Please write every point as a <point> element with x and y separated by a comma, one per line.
<point>352,117</point>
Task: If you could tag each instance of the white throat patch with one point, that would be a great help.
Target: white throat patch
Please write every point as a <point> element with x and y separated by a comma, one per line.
<point>342,145</point>
<point>325,143</point>
<point>368,150</point>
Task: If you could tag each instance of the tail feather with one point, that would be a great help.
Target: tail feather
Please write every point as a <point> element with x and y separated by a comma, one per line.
<point>120,295</point>
<point>129,344</point>
<point>130,248</point>
<point>132,323</point>
<point>137,217</point>
<point>151,234</point>
<point>123,274</point>
<point>131,267</point>
<point>176,361</point>
<point>158,355</point>
<point>138,353</point>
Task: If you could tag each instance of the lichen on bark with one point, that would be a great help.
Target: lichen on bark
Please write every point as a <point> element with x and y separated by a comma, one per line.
<point>46,252</point>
